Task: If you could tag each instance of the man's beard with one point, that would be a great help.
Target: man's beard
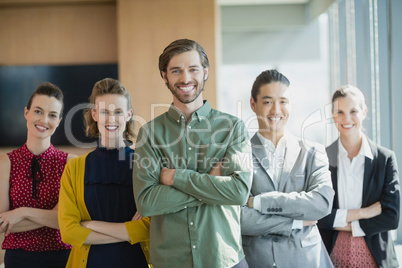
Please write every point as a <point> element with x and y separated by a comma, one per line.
<point>182,97</point>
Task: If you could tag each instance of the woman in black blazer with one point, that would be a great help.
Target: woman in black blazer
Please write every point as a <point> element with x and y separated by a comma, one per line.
<point>367,192</point>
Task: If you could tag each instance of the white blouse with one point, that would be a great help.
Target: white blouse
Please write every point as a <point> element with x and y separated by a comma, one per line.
<point>350,184</point>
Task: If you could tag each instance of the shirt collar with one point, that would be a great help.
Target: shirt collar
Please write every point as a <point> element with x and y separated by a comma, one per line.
<point>364,149</point>
<point>270,146</point>
<point>341,150</point>
<point>46,154</point>
<point>201,113</point>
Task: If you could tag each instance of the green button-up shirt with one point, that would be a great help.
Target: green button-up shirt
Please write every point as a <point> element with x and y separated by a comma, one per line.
<point>195,222</point>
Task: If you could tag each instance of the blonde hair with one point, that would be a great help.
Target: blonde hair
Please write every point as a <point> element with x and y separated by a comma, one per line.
<point>103,87</point>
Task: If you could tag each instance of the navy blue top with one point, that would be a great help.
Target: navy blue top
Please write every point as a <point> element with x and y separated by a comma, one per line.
<point>108,195</point>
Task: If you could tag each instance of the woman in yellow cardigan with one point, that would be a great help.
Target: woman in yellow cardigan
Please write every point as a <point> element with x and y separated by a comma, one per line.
<point>97,213</point>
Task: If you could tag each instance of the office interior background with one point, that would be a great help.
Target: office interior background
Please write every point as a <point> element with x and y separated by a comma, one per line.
<point>318,44</point>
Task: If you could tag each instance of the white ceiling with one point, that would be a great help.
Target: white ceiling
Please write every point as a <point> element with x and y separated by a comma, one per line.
<point>259,2</point>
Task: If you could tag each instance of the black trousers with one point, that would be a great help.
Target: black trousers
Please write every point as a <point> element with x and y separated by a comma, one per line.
<point>19,258</point>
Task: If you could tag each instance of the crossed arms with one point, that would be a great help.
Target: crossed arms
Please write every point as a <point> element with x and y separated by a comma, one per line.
<point>309,205</point>
<point>161,191</point>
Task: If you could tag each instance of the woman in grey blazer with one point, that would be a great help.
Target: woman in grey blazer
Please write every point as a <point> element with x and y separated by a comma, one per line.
<point>367,196</point>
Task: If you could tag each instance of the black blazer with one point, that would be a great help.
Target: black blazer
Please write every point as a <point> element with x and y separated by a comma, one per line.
<point>381,183</point>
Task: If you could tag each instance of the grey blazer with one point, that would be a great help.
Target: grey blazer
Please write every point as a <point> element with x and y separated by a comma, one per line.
<point>304,193</point>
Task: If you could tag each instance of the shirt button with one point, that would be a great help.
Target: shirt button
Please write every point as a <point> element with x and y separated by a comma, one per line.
<point>178,121</point>
<point>189,148</point>
<point>276,239</point>
<point>194,246</point>
<point>185,206</point>
<point>191,223</point>
<point>189,127</point>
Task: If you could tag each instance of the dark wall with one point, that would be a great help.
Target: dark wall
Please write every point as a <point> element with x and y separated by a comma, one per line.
<point>17,83</point>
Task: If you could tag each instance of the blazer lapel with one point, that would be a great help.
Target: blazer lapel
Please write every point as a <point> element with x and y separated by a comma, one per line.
<point>369,170</point>
<point>291,154</point>
<point>332,153</point>
<point>260,154</point>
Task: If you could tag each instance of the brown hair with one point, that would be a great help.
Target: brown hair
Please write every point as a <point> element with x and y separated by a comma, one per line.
<point>178,47</point>
<point>50,90</point>
<point>103,87</point>
<point>349,90</point>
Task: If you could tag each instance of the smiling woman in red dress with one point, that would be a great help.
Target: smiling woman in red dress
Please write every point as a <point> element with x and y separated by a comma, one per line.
<point>29,188</point>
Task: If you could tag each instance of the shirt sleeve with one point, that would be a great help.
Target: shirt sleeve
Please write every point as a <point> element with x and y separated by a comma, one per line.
<point>340,218</point>
<point>151,197</point>
<point>297,224</point>
<point>356,229</point>
<point>232,188</point>
<point>257,203</point>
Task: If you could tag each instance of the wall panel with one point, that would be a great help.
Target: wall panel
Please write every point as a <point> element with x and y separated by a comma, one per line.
<point>58,34</point>
<point>145,28</point>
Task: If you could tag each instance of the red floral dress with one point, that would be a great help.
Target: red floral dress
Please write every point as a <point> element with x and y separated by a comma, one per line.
<point>35,182</point>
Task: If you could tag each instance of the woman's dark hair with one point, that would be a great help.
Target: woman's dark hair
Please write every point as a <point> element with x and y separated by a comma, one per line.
<point>50,90</point>
<point>267,77</point>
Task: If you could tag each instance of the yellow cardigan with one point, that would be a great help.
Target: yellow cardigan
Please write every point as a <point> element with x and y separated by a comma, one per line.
<point>72,211</point>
